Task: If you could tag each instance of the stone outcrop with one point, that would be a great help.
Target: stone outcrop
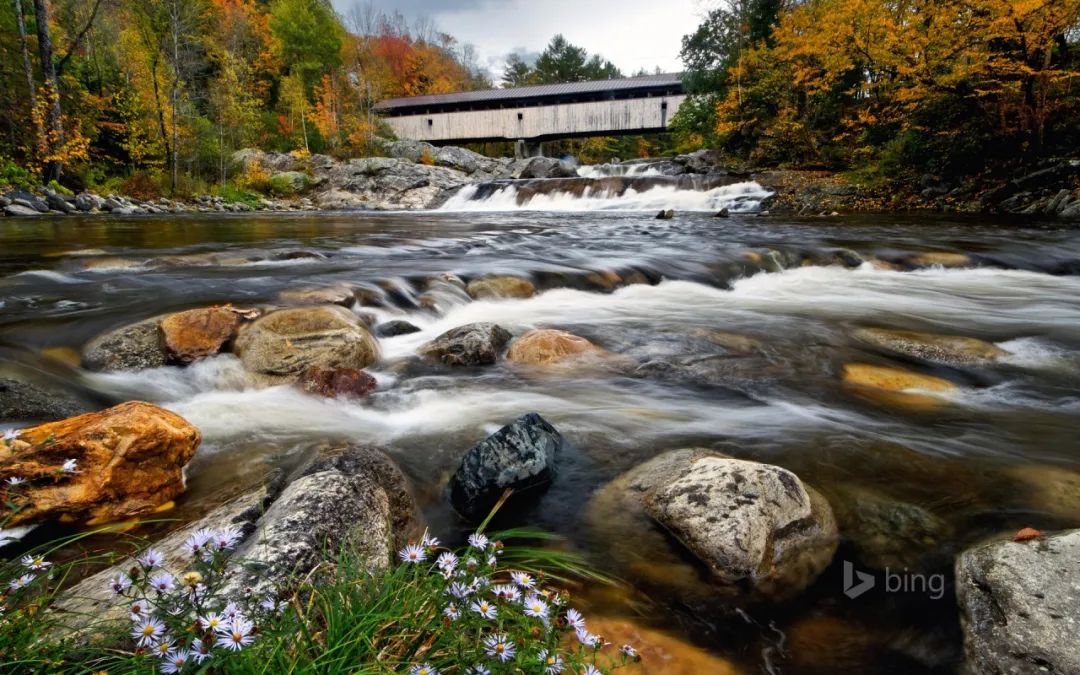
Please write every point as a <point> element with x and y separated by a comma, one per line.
<point>757,530</point>
<point>951,350</point>
<point>1019,605</point>
<point>520,456</point>
<point>283,344</point>
<point>198,333</point>
<point>133,347</point>
<point>474,344</point>
<point>129,461</point>
<point>500,287</point>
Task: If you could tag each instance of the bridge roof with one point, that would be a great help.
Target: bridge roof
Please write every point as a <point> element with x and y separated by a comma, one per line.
<point>593,88</point>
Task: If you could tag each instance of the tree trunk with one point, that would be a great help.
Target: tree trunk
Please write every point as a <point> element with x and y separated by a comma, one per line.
<point>28,69</point>
<point>53,120</point>
<point>175,16</point>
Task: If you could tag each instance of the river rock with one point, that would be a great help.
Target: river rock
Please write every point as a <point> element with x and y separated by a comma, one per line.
<point>520,456</point>
<point>20,210</point>
<point>953,350</point>
<point>501,287</point>
<point>288,183</point>
<point>661,654</point>
<point>893,386</point>
<point>58,203</point>
<point>395,328</point>
<point>85,201</point>
<point>757,530</point>
<point>332,295</point>
<point>133,347</point>
<point>23,401</point>
<point>887,532</point>
<point>199,333</point>
<point>939,259</point>
<point>285,343</point>
<point>130,460</point>
<point>545,347</point>
<point>337,382</point>
<point>1020,605</point>
<point>474,344</point>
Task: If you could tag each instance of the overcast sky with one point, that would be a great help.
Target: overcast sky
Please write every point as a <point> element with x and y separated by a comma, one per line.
<point>633,34</point>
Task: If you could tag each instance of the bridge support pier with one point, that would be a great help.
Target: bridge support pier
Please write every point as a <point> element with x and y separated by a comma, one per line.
<point>524,149</point>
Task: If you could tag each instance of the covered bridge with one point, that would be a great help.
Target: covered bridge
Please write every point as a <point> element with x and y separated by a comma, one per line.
<point>633,105</point>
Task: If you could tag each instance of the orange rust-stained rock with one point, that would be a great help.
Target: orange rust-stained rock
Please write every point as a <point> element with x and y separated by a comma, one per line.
<point>660,653</point>
<point>547,346</point>
<point>199,333</point>
<point>335,382</point>
<point>893,386</point>
<point>1027,534</point>
<point>129,461</point>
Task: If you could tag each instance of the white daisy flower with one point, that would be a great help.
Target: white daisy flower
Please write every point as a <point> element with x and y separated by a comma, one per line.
<point>226,537</point>
<point>551,662</point>
<point>163,582</point>
<point>591,670</point>
<point>479,670</point>
<point>35,562</point>
<point>15,481</point>
<point>70,466</point>
<point>484,609</point>
<point>273,605</point>
<point>459,590</point>
<point>588,639</point>
<point>164,648</point>
<point>237,635</point>
<point>575,620</point>
<point>478,541</point>
<point>21,582</point>
<point>492,561</point>
<point>535,607</point>
<point>427,541</point>
<point>148,631</point>
<point>120,583</point>
<point>232,612</point>
<point>198,540</point>
<point>498,646</point>
<point>446,561</point>
<point>11,434</point>
<point>176,662</point>
<point>139,610</point>
<point>506,592</point>
<point>412,553</point>
<point>629,651</point>
<point>452,612</point>
<point>423,669</point>
<point>522,579</point>
<point>214,622</point>
<point>199,651</point>
<point>151,558</point>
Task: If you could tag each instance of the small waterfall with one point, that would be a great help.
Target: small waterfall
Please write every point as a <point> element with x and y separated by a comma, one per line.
<point>612,193</point>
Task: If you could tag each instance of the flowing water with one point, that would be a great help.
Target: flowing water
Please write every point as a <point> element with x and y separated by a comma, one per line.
<point>987,460</point>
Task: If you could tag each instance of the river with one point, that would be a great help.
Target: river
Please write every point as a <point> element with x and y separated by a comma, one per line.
<point>977,463</point>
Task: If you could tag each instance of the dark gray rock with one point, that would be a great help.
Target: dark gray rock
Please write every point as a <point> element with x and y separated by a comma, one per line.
<point>134,347</point>
<point>474,344</point>
<point>58,203</point>
<point>20,210</point>
<point>887,532</point>
<point>1020,606</point>
<point>22,402</point>
<point>667,214</point>
<point>395,328</point>
<point>520,456</point>
<point>85,201</point>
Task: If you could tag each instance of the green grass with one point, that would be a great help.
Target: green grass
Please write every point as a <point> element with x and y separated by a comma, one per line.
<point>233,194</point>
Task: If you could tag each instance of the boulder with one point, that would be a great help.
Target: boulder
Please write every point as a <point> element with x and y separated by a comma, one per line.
<point>546,347</point>
<point>58,203</point>
<point>395,328</point>
<point>85,201</point>
<point>755,529</point>
<point>133,347</point>
<point>666,214</point>
<point>20,210</point>
<point>289,183</point>
<point>661,654</point>
<point>1019,605</point>
<point>952,350</point>
<point>23,401</point>
<point>474,344</point>
<point>520,456</point>
<point>500,287</point>
<point>893,386</point>
<point>130,460</point>
<point>199,333</point>
<point>337,382</point>
<point>887,532</point>
<point>331,295</point>
<point>285,343</point>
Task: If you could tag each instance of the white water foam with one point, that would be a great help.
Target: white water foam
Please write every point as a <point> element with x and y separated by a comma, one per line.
<point>630,170</point>
<point>737,198</point>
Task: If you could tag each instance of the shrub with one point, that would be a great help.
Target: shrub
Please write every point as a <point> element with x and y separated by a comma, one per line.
<point>144,184</point>
<point>13,175</point>
<point>231,193</point>
<point>255,177</point>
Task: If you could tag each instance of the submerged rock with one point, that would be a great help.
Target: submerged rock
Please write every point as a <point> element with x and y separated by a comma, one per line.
<point>1019,603</point>
<point>546,347</point>
<point>520,456</point>
<point>887,532</point>
<point>473,344</point>
<point>661,654</point>
<point>947,349</point>
<point>894,386</point>
<point>199,333</point>
<point>501,287</point>
<point>21,401</point>
<point>757,530</point>
<point>129,460</point>
<point>134,347</point>
<point>395,328</point>
<point>337,382</point>
<point>285,343</point>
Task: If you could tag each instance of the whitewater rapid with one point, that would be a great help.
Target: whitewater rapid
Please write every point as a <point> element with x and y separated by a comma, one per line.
<point>742,197</point>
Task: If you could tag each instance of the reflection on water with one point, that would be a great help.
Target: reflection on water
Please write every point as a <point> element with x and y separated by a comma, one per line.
<point>791,293</point>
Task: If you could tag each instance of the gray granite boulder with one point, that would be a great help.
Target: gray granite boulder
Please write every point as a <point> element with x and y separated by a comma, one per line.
<point>473,344</point>
<point>133,347</point>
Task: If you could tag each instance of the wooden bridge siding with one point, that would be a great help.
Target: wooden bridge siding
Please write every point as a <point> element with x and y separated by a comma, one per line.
<point>599,117</point>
